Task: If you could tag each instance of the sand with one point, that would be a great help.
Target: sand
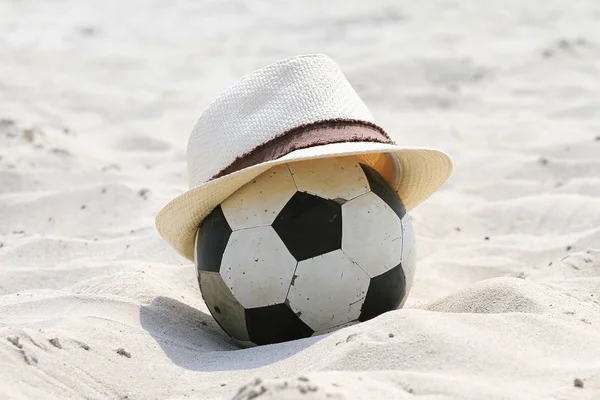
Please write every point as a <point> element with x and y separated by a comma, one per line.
<point>97,99</point>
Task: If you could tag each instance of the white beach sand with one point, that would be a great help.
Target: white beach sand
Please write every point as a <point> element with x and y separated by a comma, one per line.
<point>97,99</point>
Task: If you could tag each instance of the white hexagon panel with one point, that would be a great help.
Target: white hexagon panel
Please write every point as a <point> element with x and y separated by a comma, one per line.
<point>258,202</point>
<point>371,234</point>
<point>227,311</point>
<point>257,267</point>
<point>330,178</point>
<point>328,290</point>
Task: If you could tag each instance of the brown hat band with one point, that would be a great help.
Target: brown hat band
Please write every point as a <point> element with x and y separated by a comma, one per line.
<point>304,136</point>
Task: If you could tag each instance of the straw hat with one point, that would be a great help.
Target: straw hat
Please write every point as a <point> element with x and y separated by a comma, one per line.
<point>299,108</point>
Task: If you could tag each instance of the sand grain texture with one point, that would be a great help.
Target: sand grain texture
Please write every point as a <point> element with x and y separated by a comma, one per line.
<point>97,100</point>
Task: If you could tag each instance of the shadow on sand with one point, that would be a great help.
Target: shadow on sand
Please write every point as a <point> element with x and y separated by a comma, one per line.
<point>193,340</point>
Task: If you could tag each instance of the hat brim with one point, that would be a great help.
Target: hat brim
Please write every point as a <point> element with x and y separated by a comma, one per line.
<point>422,172</point>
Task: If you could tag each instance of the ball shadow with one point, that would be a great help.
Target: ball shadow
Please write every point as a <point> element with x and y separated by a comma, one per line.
<point>193,340</point>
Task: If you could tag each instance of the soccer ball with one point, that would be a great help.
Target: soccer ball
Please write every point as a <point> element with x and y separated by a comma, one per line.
<point>303,249</point>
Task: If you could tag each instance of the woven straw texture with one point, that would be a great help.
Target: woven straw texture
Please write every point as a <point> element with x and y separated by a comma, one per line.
<point>296,91</point>
<point>266,103</point>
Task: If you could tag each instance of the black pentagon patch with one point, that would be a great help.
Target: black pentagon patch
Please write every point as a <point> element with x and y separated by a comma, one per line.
<point>310,225</point>
<point>385,293</point>
<point>384,190</point>
<point>212,240</point>
<point>275,324</point>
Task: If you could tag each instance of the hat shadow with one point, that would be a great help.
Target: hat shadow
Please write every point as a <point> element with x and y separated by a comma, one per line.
<point>193,340</point>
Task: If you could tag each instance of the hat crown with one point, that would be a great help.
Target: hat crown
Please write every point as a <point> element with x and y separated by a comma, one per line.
<point>265,104</point>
